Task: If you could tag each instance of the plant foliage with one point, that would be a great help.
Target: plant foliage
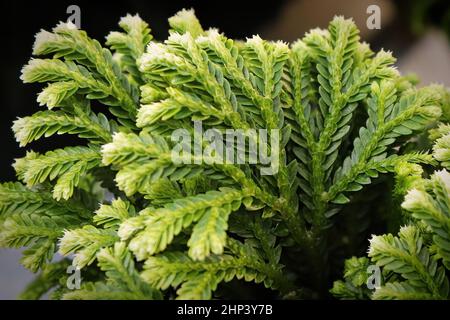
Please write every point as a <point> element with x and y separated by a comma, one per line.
<point>141,225</point>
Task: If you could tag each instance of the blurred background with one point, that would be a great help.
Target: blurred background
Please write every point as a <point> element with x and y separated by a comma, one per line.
<point>417,31</point>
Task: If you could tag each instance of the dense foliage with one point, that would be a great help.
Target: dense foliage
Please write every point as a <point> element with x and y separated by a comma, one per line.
<point>143,226</point>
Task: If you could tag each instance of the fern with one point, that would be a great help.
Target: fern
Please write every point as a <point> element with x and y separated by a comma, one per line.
<point>411,260</point>
<point>32,218</point>
<point>156,228</point>
<point>47,279</point>
<point>442,146</point>
<point>419,260</point>
<point>434,211</point>
<point>86,242</point>
<point>356,276</point>
<point>145,222</point>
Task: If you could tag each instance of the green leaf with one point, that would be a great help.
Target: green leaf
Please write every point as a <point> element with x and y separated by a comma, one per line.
<point>32,218</point>
<point>114,214</point>
<point>433,208</point>
<point>186,21</point>
<point>118,265</point>
<point>401,291</point>
<point>64,165</point>
<point>407,256</point>
<point>154,229</point>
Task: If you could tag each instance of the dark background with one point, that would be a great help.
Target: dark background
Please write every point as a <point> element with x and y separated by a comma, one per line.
<point>281,19</point>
